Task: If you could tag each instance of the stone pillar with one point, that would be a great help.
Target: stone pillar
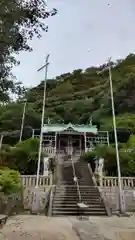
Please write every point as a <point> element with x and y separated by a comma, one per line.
<point>108,138</point>
<point>80,145</point>
<point>46,172</point>
<point>55,143</point>
<point>85,143</point>
<point>96,167</point>
<point>100,171</point>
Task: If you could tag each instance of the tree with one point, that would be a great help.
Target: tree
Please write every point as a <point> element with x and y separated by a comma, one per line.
<point>75,97</point>
<point>131,142</point>
<point>22,157</point>
<point>19,22</point>
<point>10,121</point>
<point>90,157</point>
<point>9,181</point>
<point>127,160</point>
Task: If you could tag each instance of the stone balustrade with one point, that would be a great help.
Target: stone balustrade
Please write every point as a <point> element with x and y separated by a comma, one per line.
<point>50,150</point>
<point>29,181</point>
<point>127,182</point>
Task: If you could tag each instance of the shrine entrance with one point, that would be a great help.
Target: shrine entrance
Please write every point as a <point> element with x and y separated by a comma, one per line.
<point>70,144</point>
<point>66,139</point>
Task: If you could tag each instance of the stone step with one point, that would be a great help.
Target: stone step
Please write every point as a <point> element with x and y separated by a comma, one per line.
<point>69,199</point>
<point>75,198</point>
<point>74,203</point>
<point>76,213</point>
<point>82,184</point>
<point>75,191</point>
<point>75,188</point>
<point>89,196</point>
<point>101,210</point>
<point>73,207</point>
<point>64,186</point>
<point>66,195</point>
<point>65,204</point>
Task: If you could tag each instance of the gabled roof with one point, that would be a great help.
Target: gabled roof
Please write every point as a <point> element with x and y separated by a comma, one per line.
<point>63,127</point>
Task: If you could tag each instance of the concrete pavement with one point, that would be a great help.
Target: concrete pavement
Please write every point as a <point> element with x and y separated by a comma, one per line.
<point>30,227</point>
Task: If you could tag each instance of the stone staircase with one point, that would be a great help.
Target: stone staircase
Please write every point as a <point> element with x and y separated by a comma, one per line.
<point>66,195</point>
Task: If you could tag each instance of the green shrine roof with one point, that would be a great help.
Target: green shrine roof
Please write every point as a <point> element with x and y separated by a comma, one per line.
<point>63,127</point>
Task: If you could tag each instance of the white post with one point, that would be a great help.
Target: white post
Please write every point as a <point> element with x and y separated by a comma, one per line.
<point>55,142</point>
<point>59,146</point>
<point>22,124</point>
<point>1,140</point>
<point>121,197</point>
<point>121,194</point>
<point>96,167</point>
<point>85,145</point>
<point>100,170</point>
<point>80,145</point>
<point>33,133</point>
<point>42,120</point>
<point>108,139</point>
<point>46,160</point>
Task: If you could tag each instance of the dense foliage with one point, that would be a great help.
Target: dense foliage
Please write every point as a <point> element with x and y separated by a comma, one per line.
<point>9,181</point>
<point>126,154</point>
<point>75,97</point>
<point>22,157</point>
<point>20,21</point>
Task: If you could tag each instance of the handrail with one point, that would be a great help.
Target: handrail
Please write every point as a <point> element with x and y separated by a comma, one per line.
<point>53,187</point>
<point>74,175</point>
<point>101,194</point>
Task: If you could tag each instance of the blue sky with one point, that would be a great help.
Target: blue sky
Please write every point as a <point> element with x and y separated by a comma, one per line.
<point>83,33</point>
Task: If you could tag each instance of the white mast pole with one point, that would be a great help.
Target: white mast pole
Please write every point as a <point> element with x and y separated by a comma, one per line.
<point>42,119</point>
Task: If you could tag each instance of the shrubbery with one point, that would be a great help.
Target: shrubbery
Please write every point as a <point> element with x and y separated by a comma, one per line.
<point>126,155</point>
<point>9,181</point>
<point>22,157</point>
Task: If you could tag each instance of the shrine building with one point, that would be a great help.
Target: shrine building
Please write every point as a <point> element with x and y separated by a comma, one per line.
<point>64,138</point>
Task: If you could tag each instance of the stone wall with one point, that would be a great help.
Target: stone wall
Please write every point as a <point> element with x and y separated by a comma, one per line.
<point>29,200</point>
<point>111,196</point>
<point>35,200</point>
<point>11,204</point>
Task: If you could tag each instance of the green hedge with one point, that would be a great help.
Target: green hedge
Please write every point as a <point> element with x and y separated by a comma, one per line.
<point>9,181</point>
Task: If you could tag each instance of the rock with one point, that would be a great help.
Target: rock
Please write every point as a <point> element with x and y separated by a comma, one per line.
<point>3,219</point>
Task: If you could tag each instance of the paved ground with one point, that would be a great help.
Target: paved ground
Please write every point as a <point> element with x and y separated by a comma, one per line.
<point>96,228</point>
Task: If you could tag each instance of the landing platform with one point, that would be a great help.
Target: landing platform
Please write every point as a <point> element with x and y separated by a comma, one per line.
<point>40,227</point>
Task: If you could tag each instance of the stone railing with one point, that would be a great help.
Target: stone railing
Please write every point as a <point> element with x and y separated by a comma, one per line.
<point>49,150</point>
<point>127,182</point>
<point>30,180</point>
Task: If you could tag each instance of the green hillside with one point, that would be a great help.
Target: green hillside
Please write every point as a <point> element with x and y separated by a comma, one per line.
<point>81,94</point>
<point>77,96</point>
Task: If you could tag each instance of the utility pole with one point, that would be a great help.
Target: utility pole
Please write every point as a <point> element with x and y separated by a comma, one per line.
<point>23,118</point>
<point>121,195</point>
<point>42,119</point>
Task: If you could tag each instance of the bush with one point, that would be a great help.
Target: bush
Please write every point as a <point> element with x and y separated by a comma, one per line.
<point>52,164</point>
<point>89,156</point>
<point>9,181</point>
<point>22,157</point>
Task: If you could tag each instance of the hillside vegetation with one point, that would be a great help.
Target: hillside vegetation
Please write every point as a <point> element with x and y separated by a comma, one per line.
<point>75,97</point>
